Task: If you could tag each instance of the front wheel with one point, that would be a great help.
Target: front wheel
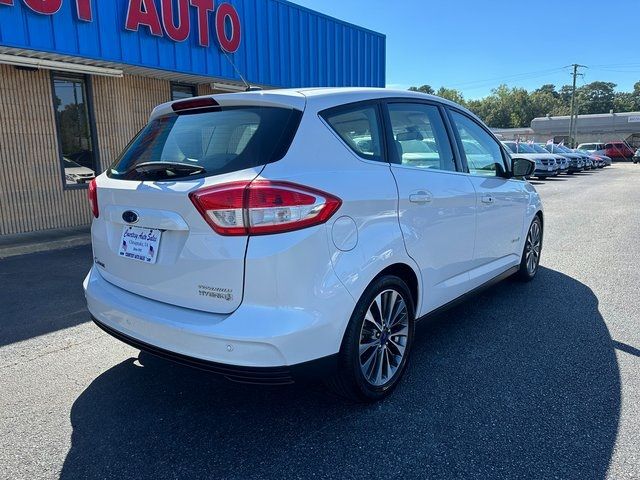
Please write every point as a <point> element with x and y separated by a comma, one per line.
<point>377,343</point>
<point>532,249</point>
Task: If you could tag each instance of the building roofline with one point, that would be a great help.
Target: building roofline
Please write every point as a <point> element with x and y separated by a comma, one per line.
<point>592,115</point>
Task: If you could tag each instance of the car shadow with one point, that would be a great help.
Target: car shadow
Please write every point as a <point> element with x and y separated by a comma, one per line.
<point>520,381</point>
<point>24,283</point>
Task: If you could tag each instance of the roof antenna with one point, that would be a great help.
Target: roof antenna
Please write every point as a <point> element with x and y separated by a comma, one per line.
<point>248,87</point>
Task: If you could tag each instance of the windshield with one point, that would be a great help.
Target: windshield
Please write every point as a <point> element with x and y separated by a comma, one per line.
<point>519,147</point>
<point>555,148</point>
<point>207,143</point>
<point>590,147</point>
<point>70,163</point>
<point>538,148</point>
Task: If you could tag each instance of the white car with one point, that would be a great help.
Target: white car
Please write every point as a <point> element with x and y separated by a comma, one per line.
<point>76,173</point>
<point>271,235</point>
<point>597,150</point>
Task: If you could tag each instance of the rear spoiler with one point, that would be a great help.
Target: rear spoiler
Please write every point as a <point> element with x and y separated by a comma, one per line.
<point>290,99</point>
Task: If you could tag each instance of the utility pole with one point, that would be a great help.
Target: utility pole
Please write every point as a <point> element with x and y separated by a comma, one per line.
<point>573,122</point>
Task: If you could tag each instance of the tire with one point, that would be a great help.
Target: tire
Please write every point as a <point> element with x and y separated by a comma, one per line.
<point>532,244</point>
<point>359,376</point>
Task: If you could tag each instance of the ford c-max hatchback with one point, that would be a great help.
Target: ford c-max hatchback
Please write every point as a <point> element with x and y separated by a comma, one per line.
<point>266,236</point>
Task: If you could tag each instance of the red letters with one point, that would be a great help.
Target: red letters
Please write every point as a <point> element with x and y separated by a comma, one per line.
<point>45,7</point>
<point>232,43</point>
<point>181,32</point>
<point>203,7</point>
<point>143,12</point>
<point>83,9</point>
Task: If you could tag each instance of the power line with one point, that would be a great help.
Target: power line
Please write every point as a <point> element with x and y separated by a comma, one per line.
<point>509,77</point>
<point>616,65</point>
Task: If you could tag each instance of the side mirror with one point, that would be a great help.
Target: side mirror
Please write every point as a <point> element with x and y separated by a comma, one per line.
<point>522,167</point>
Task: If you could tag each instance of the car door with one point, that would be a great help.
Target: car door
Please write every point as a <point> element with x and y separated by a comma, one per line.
<point>501,202</point>
<point>437,201</point>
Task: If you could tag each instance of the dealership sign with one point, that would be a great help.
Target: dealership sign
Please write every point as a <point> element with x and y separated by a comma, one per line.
<point>161,21</point>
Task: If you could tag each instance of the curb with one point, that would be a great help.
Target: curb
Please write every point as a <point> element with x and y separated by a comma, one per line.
<point>44,242</point>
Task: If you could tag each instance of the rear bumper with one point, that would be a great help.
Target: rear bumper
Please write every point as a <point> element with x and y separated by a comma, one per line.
<point>257,375</point>
<point>251,337</point>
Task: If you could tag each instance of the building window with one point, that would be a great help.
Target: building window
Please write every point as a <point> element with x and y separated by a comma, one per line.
<point>76,141</point>
<point>180,91</point>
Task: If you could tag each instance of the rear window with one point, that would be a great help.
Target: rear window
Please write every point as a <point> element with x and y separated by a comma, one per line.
<point>196,143</point>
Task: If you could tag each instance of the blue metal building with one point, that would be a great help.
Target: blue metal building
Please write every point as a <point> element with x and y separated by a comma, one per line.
<point>281,44</point>
<point>78,79</point>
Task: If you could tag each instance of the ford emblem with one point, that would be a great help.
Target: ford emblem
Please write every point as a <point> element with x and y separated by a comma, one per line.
<point>130,216</point>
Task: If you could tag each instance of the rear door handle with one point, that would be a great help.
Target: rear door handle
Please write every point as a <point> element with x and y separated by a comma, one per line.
<point>420,197</point>
<point>487,199</point>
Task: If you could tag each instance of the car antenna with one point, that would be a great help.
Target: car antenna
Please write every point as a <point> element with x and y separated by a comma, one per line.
<point>248,87</point>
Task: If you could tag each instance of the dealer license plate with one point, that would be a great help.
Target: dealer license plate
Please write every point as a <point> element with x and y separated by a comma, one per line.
<point>140,243</point>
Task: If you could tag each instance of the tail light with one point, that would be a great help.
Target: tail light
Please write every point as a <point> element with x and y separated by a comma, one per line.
<point>263,207</point>
<point>92,194</point>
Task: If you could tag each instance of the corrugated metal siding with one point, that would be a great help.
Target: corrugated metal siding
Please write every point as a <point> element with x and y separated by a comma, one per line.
<point>32,196</point>
<point>31,193</point>
<point>122,107</point>
<point>283,44</point>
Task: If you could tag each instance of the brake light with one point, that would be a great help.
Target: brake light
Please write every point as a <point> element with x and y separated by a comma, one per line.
<point>263,207</point>
<point>92,194</point>
<point>204,102</point>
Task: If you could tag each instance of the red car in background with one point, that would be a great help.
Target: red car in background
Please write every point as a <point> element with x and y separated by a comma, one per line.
<point>618,150</point>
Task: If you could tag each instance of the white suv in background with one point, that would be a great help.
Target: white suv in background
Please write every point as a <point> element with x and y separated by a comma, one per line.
<point>270,235</point>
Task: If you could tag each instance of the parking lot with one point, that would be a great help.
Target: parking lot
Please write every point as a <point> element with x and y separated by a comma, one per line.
<point>525,380</point>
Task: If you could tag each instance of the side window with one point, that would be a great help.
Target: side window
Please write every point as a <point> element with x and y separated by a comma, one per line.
<point>420,137</point>
<point>482,151</point>
<point>358,127</point>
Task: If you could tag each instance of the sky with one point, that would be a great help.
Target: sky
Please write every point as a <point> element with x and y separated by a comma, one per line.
<point>475,46</point>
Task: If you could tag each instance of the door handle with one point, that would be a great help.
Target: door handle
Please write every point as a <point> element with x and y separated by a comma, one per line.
<point>487,199</point>
<point>420,197</point>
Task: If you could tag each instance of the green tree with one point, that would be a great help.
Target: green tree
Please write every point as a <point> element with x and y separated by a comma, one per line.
<point>423,89</point>
<point>548,89</point>
<point>451,94</point>
<point>596,97</point>
<point>515,107</point>
<point>624,102</point>
<point>565,94</point>
<point>635,96</point>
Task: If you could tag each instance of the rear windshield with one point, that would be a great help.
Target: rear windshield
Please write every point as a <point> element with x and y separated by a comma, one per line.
<point>216,141</point>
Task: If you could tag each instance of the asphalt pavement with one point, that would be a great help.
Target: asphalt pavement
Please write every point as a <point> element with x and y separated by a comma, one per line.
<point>537,380</point>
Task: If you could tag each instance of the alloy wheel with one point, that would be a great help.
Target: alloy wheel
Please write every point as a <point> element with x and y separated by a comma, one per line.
<point>533,247</point>
<point>383,338</point>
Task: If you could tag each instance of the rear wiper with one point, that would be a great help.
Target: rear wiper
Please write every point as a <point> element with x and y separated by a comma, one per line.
<point>176,168</point>
<point>170,166</point>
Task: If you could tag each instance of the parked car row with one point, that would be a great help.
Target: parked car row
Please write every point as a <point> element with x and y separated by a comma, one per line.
<point>614,150</point>
<point>554,159</point>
